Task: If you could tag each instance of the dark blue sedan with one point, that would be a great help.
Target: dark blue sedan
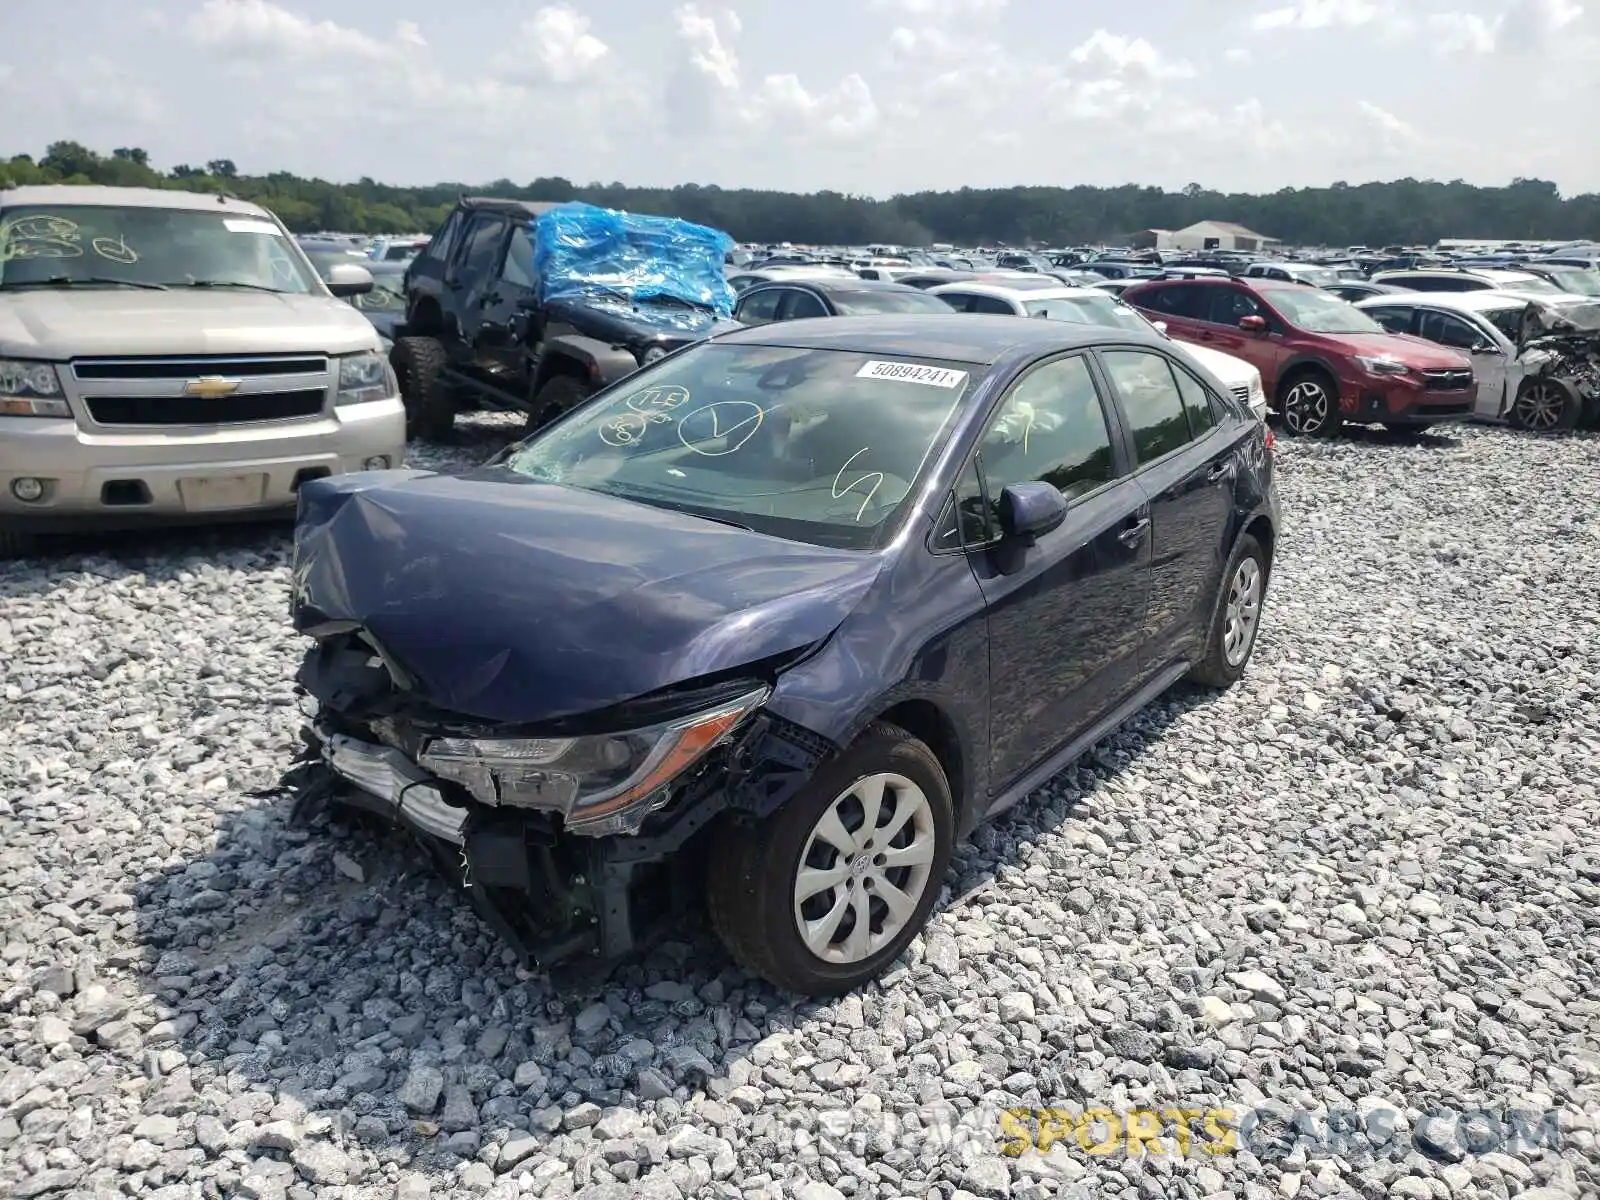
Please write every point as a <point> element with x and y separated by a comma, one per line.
<point>788,612</point>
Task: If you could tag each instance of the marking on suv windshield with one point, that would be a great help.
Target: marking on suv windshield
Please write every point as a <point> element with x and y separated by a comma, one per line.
<point>840,493</point>
<point>115,249</point>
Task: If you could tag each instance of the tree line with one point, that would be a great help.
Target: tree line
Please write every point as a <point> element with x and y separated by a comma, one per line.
<point>1404,211</point>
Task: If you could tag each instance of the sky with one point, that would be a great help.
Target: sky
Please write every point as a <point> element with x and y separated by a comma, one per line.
<point>869,97</point>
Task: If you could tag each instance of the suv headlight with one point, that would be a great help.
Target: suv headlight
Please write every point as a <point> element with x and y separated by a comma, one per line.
<point>363,377</point>
<point>651,355</point>
<point>600,784</point>
<point>31,389</point>
<point>1382,365</point>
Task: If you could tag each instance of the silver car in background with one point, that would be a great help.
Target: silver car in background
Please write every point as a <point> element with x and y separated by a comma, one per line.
<point>168,356</point>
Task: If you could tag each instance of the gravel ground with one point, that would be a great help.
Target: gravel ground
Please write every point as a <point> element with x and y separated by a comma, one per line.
<point>1356,893</point>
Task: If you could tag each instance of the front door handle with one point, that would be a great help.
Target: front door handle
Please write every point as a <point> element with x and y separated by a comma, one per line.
<point>1134,534</point>
<point>1219,472</point>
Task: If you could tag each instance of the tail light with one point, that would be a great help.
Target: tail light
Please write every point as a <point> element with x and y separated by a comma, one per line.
<point>1269,441</point>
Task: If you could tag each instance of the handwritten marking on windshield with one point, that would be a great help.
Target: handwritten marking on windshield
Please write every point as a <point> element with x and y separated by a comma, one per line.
<point>733,420</point>
<point>840,493</point>
<point>642,409</point>
<point>115,249</point>
<point>41,236</point>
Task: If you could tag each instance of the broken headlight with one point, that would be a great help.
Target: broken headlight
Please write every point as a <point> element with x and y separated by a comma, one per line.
<point>601,783</point>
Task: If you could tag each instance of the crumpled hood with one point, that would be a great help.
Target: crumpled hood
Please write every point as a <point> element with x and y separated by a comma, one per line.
<point>514,601</point>
<point>60,324</point>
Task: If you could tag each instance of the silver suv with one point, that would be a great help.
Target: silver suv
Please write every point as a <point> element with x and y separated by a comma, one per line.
<point>172,357</point>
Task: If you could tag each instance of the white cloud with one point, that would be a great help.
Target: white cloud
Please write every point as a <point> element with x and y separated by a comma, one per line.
<point>552,46</point>
<point>259,25</point>
<point>938,10</point>
<point>1328,14</point>
<point>845,111</point>
<point>1395,135</point>
<point>1114,54</point>
<point>709,49</point>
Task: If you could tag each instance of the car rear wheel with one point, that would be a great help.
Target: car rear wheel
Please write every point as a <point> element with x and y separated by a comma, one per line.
<point>824,894</point>
<point>1232,637</point>
<point>430,408</point>
<point>1309,403</point>
<point>558,394</point>
<point>1545,406</point>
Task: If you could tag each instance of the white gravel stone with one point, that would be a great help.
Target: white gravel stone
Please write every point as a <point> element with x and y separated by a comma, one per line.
<point>1363,879</point>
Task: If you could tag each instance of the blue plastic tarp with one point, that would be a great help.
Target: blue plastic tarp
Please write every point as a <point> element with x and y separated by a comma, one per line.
<point>596,254</point>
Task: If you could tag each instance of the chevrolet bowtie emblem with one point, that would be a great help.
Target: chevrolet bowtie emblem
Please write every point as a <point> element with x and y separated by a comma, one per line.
<point>211,387</point>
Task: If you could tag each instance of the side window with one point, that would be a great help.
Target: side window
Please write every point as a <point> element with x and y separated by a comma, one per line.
<point>1448,330</point>
<point>1230,305</point>
<point>739,282</point>
<point>518,266</point>
<point>1196,402</point>
<point>992,304</point>
<point>1394,318</point>
<point>801,305</point>
<point>960,301</point>
<point>443,243</point>
<point>1052,427</point>
<point>482,245</point>
<point>965,521</point>
<point>1151,400</point>
<point>1177,300</point>
<point>760,307</point>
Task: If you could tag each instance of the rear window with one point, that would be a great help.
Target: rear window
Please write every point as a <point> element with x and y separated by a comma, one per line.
<point>868,303</point>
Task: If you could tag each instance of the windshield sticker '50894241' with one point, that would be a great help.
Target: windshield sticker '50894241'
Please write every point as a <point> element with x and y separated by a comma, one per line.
<point>942,377</point>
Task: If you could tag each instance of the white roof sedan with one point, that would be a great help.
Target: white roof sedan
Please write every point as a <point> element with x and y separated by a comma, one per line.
<point>1092,306</point>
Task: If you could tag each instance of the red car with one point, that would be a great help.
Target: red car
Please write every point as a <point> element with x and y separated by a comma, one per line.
<point>1322,361</point>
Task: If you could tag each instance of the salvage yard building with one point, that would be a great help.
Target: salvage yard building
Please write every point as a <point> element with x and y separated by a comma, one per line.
<point>1213,235</point>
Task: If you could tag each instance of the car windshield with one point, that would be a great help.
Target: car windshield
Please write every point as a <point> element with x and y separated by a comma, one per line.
<point>1316,276</point>
<point>866,303</point>
<point>1087,310</point>
<point>388,293</point>
<point>1579,282</point>
<point>1532,283</point>
<point>1507,320</point>
<point>111,245</point>
<point>820,446</point>
<point>1320,312</point>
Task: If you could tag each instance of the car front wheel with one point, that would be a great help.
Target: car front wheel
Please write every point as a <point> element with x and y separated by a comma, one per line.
<point>1310,407</point>
<point>828,891</point>
<point>1545,406</point>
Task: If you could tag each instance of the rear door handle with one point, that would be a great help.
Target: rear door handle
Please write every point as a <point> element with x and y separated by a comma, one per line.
<point>1219,471</point>
<point>1134,534</point>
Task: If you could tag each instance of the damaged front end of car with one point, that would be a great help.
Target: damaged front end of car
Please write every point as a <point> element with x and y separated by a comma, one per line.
<point>1563,344</point>
<point>571,838</point>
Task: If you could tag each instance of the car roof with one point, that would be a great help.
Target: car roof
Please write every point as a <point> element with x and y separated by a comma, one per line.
<point>1487,300</point>
<point>96,196</point>
<point>1005,291</point>
<point>515,208</point>
<point>835,283</point>
<point>980,339</point>
<point>1490,273</point>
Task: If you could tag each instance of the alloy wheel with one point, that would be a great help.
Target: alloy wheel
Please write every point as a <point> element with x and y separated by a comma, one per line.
<point>1540,406</point>
<point>1305,407</point>
<point>864,869</point>
<point>1242,611</point>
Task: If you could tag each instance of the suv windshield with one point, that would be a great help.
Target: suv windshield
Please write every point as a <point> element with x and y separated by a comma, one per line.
<point>143,247</point>
<point>1087,310</point>
<point>820,446</point>
<point>1320,312</point>
<point>1316,276</point>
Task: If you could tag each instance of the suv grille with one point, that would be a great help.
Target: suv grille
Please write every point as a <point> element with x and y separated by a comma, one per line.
<point>155,391</point>
<point>192,410</point>
<point>1446,381</point>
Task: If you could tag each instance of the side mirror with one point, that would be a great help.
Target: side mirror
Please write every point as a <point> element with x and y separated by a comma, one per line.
<point>1483,348</point>
<point>1159,326</point>
<point>1253,324</point>
<point>347,279</point>
<point>1028,510</point>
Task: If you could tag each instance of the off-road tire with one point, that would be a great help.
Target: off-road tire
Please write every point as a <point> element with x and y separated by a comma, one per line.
<point>1328,425</point>
<point>1214,670</point>
<point>751,868</point>
<point>557,395</point>
<point>1566,419</point>
<point>430,408</point>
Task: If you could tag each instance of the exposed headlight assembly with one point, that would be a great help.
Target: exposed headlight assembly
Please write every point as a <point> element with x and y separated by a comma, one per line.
<point>364,377</point>
<point>1382,365</point>
<point>601,784</point>
<point>31,389</point>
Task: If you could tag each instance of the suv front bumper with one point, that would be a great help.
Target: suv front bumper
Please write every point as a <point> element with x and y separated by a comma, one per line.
<point>93,479</point>
<point>1410,405</point>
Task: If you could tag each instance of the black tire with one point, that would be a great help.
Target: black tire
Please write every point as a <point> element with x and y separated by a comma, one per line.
<point>15,544</point>
<point>558,394</point>
<point>752,868</point>
<point>430,408</point>
<point>1308,404</point>
<point>1545,406</point>
<point>1216,669</point>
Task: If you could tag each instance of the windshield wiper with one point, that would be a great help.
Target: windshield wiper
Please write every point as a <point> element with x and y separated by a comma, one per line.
<point>229,283</point>
<point>85,281</point>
